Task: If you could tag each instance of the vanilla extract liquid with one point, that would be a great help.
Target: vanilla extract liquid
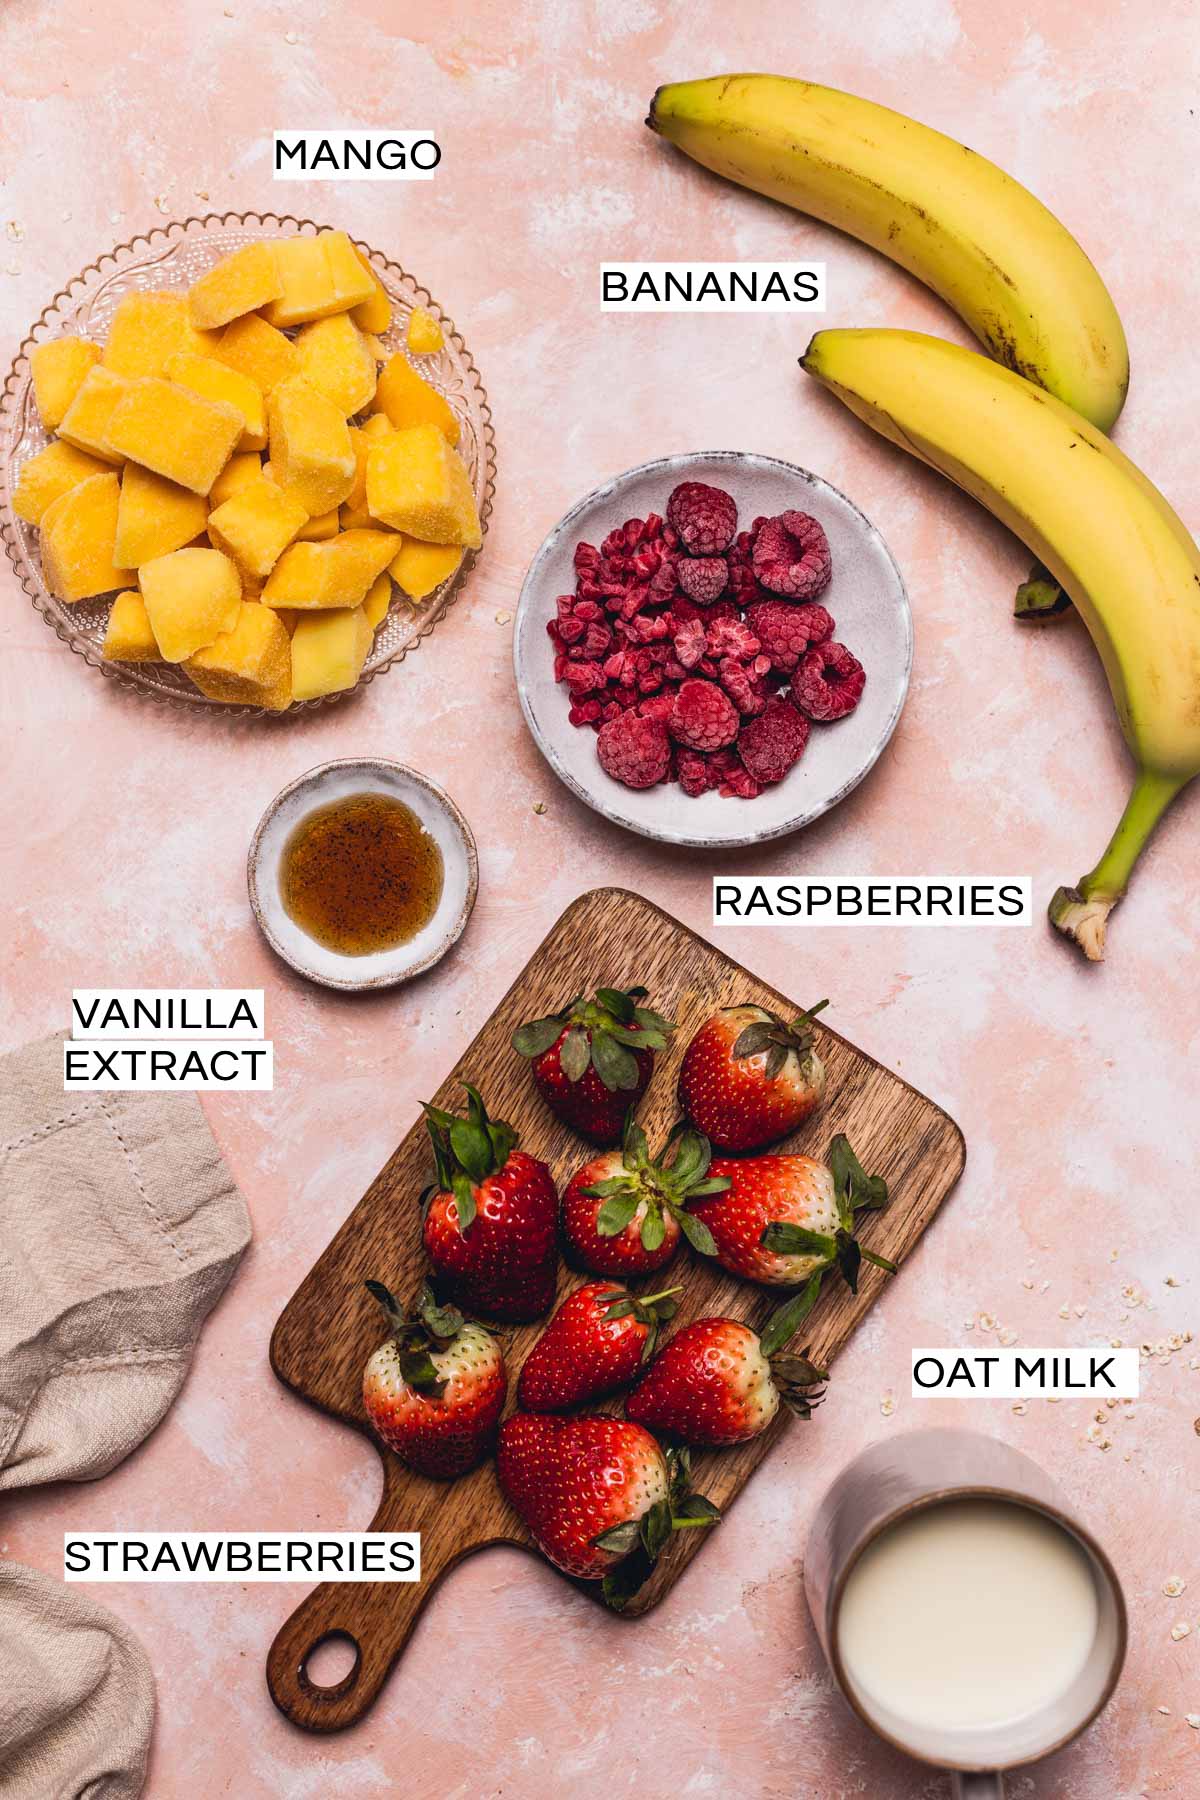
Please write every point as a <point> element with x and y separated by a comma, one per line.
<point>361,874</point>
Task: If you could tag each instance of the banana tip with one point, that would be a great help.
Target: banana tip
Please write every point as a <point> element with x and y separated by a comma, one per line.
<point>651,118</point>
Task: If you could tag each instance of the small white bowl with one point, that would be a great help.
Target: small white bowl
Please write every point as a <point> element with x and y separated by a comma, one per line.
<point>440,818</point>
<point>866,597</point>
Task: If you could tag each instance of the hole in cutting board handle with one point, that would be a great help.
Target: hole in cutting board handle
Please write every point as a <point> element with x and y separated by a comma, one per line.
<point>329,1655</point>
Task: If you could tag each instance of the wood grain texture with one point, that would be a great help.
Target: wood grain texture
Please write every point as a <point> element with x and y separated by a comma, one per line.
<point>330,1326</point>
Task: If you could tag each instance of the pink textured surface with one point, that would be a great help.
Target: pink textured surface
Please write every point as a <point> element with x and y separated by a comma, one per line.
<point>125,829</point>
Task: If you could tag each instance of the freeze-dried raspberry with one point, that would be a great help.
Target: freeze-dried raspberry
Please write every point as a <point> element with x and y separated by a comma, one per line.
<point>774,742</point>
<point>634,749</point>
<point>692,770</point>
<point>690,643</point>
<point>729,637</point>
<point>703,717</point>
<point>744,687</point>
<point>739,784</point>
<point>829,682</point>
<point>585,678</point>
<point>703,578</point>
<point>705,517</point>
<point>791,556</point>
<point>786,631</point>
<point>586,713</point>
<point>657,706</point>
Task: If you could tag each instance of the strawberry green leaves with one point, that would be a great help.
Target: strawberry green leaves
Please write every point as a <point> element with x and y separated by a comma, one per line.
<point>854,1191</point>
<point>466,1151</point>
<point>777,1039</point>
<point>660,1187</point>
<point>601,1033</point>
<point>430,1328</point>
<point>640,1542</point>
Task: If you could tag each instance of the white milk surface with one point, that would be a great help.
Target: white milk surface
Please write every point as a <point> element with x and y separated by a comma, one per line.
<point>968,1615</point>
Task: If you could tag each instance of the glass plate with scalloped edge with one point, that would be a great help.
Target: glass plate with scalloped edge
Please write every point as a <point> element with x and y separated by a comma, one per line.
<point>172,256</point>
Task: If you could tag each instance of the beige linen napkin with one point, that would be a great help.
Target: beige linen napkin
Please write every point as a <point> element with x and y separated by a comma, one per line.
<point>76,1694</point>
<point>119,1228</point>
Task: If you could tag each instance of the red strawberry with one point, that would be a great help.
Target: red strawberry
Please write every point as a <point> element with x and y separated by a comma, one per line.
<point>434,1391</point>
<point>490,1219</point>
<point>622,1213</point>
<point>787,1220</point>
<point>593,1060</point>
<point>594,1490</point>
<point>717,1382</point>
<point>748,1078</point>
<point>597,1341</point>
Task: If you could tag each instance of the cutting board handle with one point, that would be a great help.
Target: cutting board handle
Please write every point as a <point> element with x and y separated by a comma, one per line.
<point>375,1618</point>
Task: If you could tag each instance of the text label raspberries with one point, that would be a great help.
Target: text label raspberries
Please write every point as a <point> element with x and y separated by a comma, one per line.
<point>696,653</point>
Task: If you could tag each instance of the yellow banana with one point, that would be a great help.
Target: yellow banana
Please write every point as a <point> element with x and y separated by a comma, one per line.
<point>1098,524</point>
<point>951,218</point>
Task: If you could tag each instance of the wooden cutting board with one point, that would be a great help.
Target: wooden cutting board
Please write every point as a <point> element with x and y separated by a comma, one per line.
<point>330,1326</point>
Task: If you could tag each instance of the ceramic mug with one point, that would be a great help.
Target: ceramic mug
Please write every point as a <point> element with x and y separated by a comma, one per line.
<point>906,1474</point>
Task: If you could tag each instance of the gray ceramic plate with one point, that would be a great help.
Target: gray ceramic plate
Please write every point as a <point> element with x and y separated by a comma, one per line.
<point>866,598</point>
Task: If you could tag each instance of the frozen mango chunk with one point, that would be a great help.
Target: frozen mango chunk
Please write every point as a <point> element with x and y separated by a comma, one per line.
<point>424,334</point>
<point>378,425</point>
<point>79,532</point>
<point>250,664</point>
<point>57,368</point>
<point>353,281</point>
<point>215,380</point>
<point>418,568</point>
<point>409,400</point>
<point>375,313</point>
<point>86,421</point>
<point>155,517</point>
<point>337,573</point>
<point>328,651</point>
<point>308,285</point>
<point>192,596</point>
<point>378,600</point>
<point>335,359</point>
<point>146,329</point>
<point>240,283</point>
<point>256,526</point>
<point>353,513</point>
<point>323,526</point>
<point>175,432</point>
<point>256,349</point>
<point>128,636</point>
<point>417,484</point>
<point>53,471</point>
<point>241,471</point>
<point>311,452</point>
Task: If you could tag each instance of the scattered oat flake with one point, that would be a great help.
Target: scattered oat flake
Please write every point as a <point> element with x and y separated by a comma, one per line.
<point>1020,1408</point>
<point>290,37</point>
<point>887,1405</point>
<point>539,806</point>
<point>1193,1719</point>
<point>12,268</point>
<point>986,1322</point>
<point>1008,1337</point>
<point>1170,1281</point>
<point>1027,1283</point>
<point>1166,1710</point>
<point>201,193</point>
<point>1173,1586</point>
<point>15,231</point>
<point>502,618</point>
<point>1045,1285</point>
<point>160,203</point>
<point>114,218</point>
<point>1181,1630</point>
<point>1079,1311</point>
<point>1064,1311</point>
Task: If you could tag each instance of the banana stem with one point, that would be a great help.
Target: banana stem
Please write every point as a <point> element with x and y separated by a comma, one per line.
<point>1082,912</point>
